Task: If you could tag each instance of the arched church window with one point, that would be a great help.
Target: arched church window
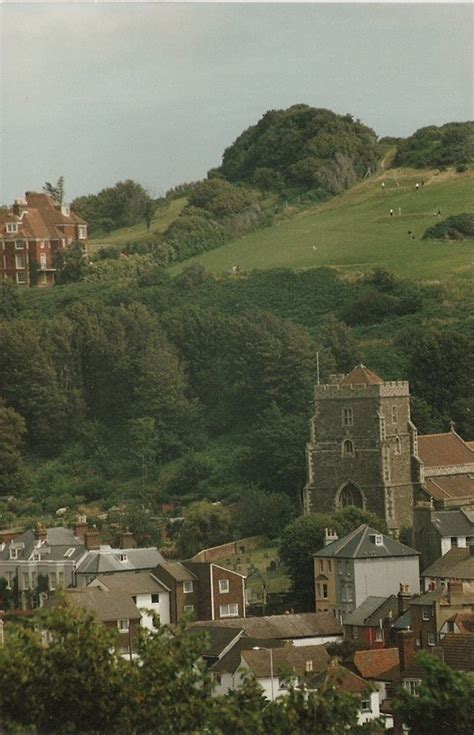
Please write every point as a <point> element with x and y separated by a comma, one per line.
<point>350,495</point>
<point>348,447</point>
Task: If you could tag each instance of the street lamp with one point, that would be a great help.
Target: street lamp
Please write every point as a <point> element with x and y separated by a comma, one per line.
<point>270,651</point>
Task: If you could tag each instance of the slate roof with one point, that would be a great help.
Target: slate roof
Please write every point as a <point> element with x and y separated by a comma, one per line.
<point>453,523</point>
<point>456,563</point>
<point>374,664</point>
<point>361,614</point>
<point>177,570</point>
<point>102,561</point>
<point>217,639</point>
<point>131,583</point>
<point>286,659</point>
<point>57,542</point>
<point>358,545</point>
<point>427,598</point>
<point>105,606</point>
<point>444,450</point>
<point>299,625</point>
<point>361,375</point>
<point>444,487</point>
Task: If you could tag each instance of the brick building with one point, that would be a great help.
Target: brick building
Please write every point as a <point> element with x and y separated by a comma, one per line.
<point>365,451</point>
<point>31,232</point>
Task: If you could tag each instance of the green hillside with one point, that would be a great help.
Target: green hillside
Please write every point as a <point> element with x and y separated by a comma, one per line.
<point>354,231</point>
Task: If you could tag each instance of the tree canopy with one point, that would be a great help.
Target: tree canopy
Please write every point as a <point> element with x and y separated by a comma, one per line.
<point>435,147</point>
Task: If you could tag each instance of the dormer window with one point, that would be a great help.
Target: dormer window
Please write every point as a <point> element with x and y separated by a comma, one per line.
<point>82,232</point>
<point>378,540</point>
<point>13,553</point>
<point>123,557</point>
<point>12,226</point>
<point>69,552</point>
<point>36,556</point>
<point>348,448</point>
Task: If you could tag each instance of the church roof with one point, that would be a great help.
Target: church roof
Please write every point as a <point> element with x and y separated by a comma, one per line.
<point>361,375</point>
<point>444,450</point>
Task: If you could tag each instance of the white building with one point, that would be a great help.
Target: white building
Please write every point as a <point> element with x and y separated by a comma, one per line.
<point>150,596</point>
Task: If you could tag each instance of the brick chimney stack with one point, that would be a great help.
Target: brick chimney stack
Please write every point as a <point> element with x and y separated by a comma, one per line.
<point>80,527</point>
<point>455,592</point>
<point>127,540</point>
<point>404,598</point>
<point>407,648</point>
<point>41,532</point>
<point>92,539</point>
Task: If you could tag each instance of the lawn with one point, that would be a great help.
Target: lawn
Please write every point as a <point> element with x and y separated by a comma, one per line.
<point>355,231</point>
<point>262,566</point>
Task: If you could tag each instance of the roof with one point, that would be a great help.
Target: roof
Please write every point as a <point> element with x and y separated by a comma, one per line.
<point>360,544</point>
<point>131,583</point>
<point>299,625</point>
<point>360,615</point>
<point>443,487</point>
<point>339,677</point>
<point>105,606</point>
<point>361,375</point>
<point>456,563</point>
<point>373,664</point>
<point>453,523</point>
<point>458,650</point>
<point>231,661</point>
<point>176,569</point>
<point>54,547</point>
<point>108,560</point>
<point>444,450</point>
<point>287,659</point>
<point>427,598</point>
<point>464,621</point>
<point>217,639</point>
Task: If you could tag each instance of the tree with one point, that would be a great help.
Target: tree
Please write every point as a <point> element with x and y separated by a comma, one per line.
<point>9,299</point>
<point>204,524</point>
<point>443,704</point>
<point>70,263</point>
<point>266,513</point>
<point>55,190</point>
<point>336,336</point>
<point>12,432</point>
<point>149,208</point>
<point>142,443</point>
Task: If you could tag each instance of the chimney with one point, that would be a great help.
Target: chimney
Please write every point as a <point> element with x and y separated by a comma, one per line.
<point>455,592</point>
<point>80,527</point>
<point>407,648</point>
<point>404,598</point>
<point>330,535</point>
<point>127,540</point>
<point>92,539</point>
<point>41,532</point>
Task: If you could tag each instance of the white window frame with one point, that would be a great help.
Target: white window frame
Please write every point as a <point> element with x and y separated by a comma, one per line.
<point>431,639</point>
<point>355,632</point>
<point>365,705</point>
<point>19,245</point>
<point>10,577</point>
<point>379,539</point>
<point>224,586</point>
<point>188,608</point>
<point>123,625</point>
<point>347,416</point>
<point>12,227</point>
<point>25,580</point>
<point>379,635</point>
<point>13,553</point>
<point>227,611</point>
<point>412,686</point>
<point>82,232</point>
<point>426,613</point>
<point>20,267</point>
<point>123,557</point>
<point>69,552</point>
<point>52,581</point>
<point>188,586</point>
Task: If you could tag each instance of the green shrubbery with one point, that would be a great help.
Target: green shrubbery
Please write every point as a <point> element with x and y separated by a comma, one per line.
<point>438,147</point>
<point>457,227</point>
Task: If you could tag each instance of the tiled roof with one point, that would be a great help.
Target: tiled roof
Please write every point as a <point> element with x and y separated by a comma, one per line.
<point>443,487</point>
<point>175,569</point>
<point>360,544</point>
<point>339,677</point>
<point>299,625</point>
<point>41,219</point>
<point>456,564</point>
<point>458,650</point>
<point>360,615</point>
<point>373,664</point>
<point>131,583</point>
<point>230,662</point>
<point>108,560</point>
<point>444,450</point>
<point>286,659</point>
<point>453,523</point>
<point>427,598</point>
<point>217,639</point>
<point>361,375</point>
<point>105,606</point>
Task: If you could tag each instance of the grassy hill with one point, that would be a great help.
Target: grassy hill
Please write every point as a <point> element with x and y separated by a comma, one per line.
<point>354,231</point>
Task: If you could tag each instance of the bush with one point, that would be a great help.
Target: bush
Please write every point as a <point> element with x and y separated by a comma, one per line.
<point>194,232</point>
<point>375,306</point>
<point>457,227</point>
<point>437,147</point>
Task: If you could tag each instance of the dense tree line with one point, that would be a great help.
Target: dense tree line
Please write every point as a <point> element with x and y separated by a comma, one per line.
<point>438,147</point>
<point>121,205</point>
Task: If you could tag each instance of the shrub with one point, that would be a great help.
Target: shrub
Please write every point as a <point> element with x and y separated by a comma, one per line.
<point>457,227</point>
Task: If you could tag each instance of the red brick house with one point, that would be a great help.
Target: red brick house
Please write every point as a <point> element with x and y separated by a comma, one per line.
<point>31,232</point>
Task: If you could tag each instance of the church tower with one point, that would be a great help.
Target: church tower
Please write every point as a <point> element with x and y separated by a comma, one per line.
<point>363,448</point>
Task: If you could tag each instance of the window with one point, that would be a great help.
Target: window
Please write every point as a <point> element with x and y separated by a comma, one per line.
<point>454,542</point>
<point>340,567</point>
<point>52,580</point>
<point>13,553</point>
<point>431,639</point>
<point>348,568</point>
<point>347,417</point>
<point>36,556</point>
<point>349,593</point>
<point>321,565</point>
<point>19,260</point>
<point>355,632</point>
<point>123,557</point>
<point>10,579</point>
<point>12,226</point>
<point>378,634</point>
<point>187,586</point>
<point>223,585</point>
<point>61,579</point>
<point>26,581</point>
<point>69,552</point>
<point>348,448</point>
<point>155,598</point>
<point>450,626</point>
<point>398,446</point>
<point>34,580</point>
<point>123,625</point>
<point>394,414</point>
<point>325,591</point>
<point>365,704</point>
<point>82,232</point>
<point>19,245</point>
<point>217,678</point>
<point>329,565</point>
<point>426,613</point>
<point>42,261</point>
<point>411,685</point>
<point>378,540</point>
<point>21,277</point>
<point>229,611</point>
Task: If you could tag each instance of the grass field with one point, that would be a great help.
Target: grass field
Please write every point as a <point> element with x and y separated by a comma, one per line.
<point>355,231</point>
<point>262,566</point>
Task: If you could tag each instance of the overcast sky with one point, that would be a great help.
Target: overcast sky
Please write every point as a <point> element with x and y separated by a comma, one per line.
<point>155,92</point>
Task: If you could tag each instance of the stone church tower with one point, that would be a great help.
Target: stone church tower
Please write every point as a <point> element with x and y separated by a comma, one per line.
<point>363,448</point>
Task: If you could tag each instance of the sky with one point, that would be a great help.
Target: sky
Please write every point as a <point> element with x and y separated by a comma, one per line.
<point>155,92</point>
